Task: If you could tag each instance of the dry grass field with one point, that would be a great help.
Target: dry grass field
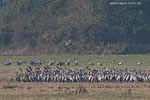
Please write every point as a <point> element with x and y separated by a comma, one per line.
<point>12,90</point>
<point>74,91</point>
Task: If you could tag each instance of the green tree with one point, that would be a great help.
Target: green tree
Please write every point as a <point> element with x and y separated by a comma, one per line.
<point>6,36</point>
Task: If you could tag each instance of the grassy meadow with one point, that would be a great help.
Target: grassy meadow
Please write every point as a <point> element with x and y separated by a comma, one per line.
<point>11,90</point>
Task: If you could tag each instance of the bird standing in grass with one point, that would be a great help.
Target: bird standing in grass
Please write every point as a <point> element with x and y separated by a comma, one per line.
<point>120,63</point>
<point>99,64</point>
<point>139,63</point>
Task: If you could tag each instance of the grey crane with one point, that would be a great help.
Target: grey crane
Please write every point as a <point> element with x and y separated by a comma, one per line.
<point>139,63</point>
<point>120,63</point>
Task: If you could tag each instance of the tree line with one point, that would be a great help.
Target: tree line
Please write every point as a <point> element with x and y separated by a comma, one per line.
<point>95,27</point>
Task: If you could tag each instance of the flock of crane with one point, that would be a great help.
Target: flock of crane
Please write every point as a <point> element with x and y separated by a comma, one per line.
<point>62,73</point>
<point>60,63</point>
<point>87,74</point>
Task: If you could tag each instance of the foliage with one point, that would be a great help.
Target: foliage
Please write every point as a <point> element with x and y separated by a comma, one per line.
<point>92,25</point>
<point>5,36</point>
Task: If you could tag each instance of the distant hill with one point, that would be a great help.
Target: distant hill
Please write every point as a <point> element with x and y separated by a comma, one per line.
<point>31,27</point>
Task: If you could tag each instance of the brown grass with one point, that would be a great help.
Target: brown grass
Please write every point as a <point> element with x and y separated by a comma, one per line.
<point>74,91</point>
